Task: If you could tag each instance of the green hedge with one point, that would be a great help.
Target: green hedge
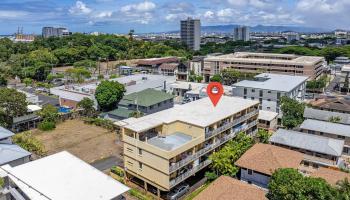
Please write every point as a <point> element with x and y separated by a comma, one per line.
<point>47,126</point>
<point>108,124</point>
<point>118,171</point>
<point>28,142</point>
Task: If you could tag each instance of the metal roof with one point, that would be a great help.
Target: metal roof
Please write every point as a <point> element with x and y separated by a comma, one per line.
<point>324,115</point>
<point>11,152</point>
<point>309,142</point>
<point>4,133</point>
<point>326,127</point>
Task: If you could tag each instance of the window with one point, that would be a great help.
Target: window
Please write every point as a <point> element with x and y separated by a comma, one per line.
<point>268,99</point>
<point>269,92</point>
<point>252,98</point>
<point>321,133</point>
<point>253,90</point>
<point>341,137</point>
<point>130,163</point>
<point>140,165</point>
<point>140,151</point>
<point>129,149</point>
<point>261,93</point>
<point>250,172</point>
<point>245,90</point>
<point>268,108</point>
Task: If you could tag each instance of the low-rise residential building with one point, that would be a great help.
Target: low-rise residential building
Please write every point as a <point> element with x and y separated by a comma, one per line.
<point>28,121</point>
<point>329,130</point>
<point>317,150</point>
<point>269,88</point>
<point>227,188</point>
<point>345,78</point>
<point>178,69</point>
<point>146,102</point>
<point>267,120</point>
<point>196,65</point>
<point>259,162</point>
<point>59,176</point>
<point>71,95</point>
<point>10,153</point>
<point>164,149</point>
<point>327,116</point>
<point>288,64</point>
<point>152,65</point>
<point>332,176</point>
<point>333,104</point>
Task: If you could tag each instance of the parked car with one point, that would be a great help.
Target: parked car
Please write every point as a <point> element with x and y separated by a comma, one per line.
<point>178,192</point>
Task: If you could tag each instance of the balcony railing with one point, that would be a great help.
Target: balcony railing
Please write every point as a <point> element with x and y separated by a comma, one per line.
<point>230,124</point>
<point>208,148</point>
<point>189,173</point>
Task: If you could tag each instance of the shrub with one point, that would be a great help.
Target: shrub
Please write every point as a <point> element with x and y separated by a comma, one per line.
<point>105,123</point>
<point>47,126</point>
<point>211,176</point>
<point>28,142</point>
<point>118,171</point>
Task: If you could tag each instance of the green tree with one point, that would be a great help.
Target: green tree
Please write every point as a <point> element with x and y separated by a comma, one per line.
<point>88,105</point>
<point>263,136</point>
<point>87,64</point>
<point>216,78</point>
<point>108,94</point>
<point>343,187</point>
<point>223,160</point>
<point>293,112</point>
<point>49,113</point>
<point>3,80</point>
<point>12,104</point>
<point>28,81</point>
<point>289,184</point>
<point>136,114</point>
<point>199,79</point>
<point>78,74</point>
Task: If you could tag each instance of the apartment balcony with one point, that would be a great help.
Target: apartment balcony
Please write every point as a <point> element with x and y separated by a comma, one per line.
<point>182,72</point>
<point>189,173</point>
<point>174,166</point>
<point>230,124</point>
<point>322,161</point>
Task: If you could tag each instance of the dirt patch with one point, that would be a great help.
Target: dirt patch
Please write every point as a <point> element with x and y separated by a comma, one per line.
<point>88,142</point>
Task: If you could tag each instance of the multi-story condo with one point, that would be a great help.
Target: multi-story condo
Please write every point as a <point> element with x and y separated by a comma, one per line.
<point>310,66</point>
<point>54,32</point>
<point>291,36</point>
<point>242,33</point>
<point>164,149</point>
<point>269,88</point>
<point>191,33</point>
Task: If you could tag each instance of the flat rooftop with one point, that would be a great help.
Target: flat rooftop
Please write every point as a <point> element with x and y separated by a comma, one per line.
<point>275,82</point>
<point>170,142</point>
<point>201,113</point>
<point>133,83</point>
<point>266,58</point>
<point>63,176</point>
<point>267,115</point>
<point>309,142</point>
<point>326,127</point>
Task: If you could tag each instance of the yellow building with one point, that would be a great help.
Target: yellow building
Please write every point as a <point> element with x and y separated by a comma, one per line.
<point>165,148</point>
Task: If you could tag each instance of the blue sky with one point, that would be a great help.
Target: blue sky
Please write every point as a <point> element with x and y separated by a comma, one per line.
<point>118,16</point>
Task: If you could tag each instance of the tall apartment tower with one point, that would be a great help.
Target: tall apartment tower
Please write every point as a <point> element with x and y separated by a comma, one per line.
<point>191,33</point>
<point>242,33</point>
<point>54,32</point>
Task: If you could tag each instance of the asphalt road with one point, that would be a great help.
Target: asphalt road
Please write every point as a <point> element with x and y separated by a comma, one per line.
<point>107,163</point>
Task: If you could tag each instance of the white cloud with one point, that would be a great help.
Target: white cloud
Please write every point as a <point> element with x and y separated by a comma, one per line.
<point>104,14</point>
<point>145,6</point>
<point>80,8</point>
<point>209,14</point>
<point>9,14</point>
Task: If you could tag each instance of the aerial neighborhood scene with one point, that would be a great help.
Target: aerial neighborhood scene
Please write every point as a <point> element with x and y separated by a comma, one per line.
<point>174,100</point>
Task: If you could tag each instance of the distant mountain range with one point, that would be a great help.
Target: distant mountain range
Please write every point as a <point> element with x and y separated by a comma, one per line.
<point>261,28</point>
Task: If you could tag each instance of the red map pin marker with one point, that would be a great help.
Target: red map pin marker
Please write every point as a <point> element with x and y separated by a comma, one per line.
<point>215,91</point>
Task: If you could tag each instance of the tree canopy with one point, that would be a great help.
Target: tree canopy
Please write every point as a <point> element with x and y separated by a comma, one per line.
<point>88,105</point>
<point>108,94</point>
<point>223,160</point>
<point>293,112</point>
<point>289,184</point>
<point>12,104</point>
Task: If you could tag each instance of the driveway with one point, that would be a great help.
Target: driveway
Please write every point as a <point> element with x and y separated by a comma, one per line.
<point>107,163</point>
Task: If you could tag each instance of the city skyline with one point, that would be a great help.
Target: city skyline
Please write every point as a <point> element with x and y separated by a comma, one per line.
<point>116,16</point>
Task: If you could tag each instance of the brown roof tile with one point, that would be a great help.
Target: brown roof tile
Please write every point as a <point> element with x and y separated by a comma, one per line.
<point>169,66</point>
<point>227,188</point>
<point>266,158</point>
<point>332,176</point>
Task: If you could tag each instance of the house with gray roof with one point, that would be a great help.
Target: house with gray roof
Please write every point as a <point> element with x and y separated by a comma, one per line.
<point>329,130</point>
<point>317,150</point>
<point>325,115</point>
<point>147,101</point>
<point>10,153</point>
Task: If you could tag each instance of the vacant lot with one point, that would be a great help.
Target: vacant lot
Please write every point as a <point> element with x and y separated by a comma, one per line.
<point>88,142</point>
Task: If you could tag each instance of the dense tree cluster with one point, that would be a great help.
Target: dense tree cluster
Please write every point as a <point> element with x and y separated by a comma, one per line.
<point>108,94</point>
<point>330,53</point>
<point>35,60</point>
<point>12,104</point>
<point>289,184</point>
